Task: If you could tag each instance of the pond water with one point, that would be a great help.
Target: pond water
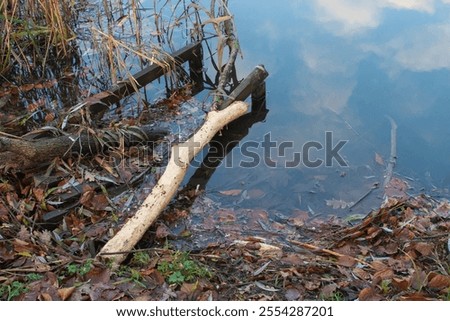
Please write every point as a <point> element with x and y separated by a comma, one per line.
<point>339,70</point>
<point>342,67</point>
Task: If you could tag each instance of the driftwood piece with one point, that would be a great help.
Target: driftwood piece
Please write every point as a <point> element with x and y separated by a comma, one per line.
<point>25,153</point>
<point>119,246</point>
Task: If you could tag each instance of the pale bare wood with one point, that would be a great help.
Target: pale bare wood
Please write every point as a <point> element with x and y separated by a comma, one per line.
<point>181,156</point>
<point>264,250</point>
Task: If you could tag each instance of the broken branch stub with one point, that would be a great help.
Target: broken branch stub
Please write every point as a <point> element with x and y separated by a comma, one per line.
<point>123,242</point>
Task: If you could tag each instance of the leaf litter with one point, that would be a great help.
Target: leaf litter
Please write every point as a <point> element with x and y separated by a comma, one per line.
<point>202,249</point>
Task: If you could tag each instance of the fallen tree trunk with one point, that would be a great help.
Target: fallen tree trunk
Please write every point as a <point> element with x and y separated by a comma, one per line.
<point>123,242</point>
<point>24,153</point>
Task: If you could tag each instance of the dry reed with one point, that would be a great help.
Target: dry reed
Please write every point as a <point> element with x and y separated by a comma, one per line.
<point>34,31</point>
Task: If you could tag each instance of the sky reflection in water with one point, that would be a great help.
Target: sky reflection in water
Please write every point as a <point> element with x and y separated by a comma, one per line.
<point>342,66</point>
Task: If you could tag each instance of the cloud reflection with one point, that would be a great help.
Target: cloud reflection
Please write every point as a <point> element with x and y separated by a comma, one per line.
<point>326,41</point>
<point>332,65</point>
<point>426,49</point>
<point>349,17</point>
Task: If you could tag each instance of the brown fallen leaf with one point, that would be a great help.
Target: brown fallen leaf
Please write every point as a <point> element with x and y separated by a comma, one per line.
<point>253,246</point>
<point>210,295</point>
<point>95,230</point>
<point>162,231</point>
<point>346,261</point>
<point>45,297</point>
<point>50,117</point>
<point>293,259</point>
<point>360,273</point>
<point>373,232</point>
<point>86,198</point>
<point>369,294</point>
<point>391,248</point>
<point>231,192</point>
<point>396,188</point>
<point>328,290</point>
<point>188,289</point>
<point>65,293</point>
<point>312,285</point>
<point>226,218</point>
<point>106,166</point>
<point>39,193</point>
<point>99,202</point>
<point>439,282</point>
<point>45,237</point>
<point>98,275</point>
<point>125,175</point>
<point>424,248</point>
<point>401,284</point>
<point>382,275</point>
<point>336,204</point>
<point>443,209</point>
<point>27,87</point>
<point>418,280</point>
<point>96,98</point>
<point>255,194</point>
<point>298,218</point>
<point>415,297</point>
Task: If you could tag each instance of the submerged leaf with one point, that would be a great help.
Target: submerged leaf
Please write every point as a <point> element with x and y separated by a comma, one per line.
<point>336,204</point>
<point>231,192</point>
<point>439,281</point>
<point>378,159</point>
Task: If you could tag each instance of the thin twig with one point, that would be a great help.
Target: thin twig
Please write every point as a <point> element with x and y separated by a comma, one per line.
<point>326,251</point>
<point>374,186</point>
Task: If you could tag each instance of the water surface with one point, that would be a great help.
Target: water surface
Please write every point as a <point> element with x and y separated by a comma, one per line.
<point>342,67</point>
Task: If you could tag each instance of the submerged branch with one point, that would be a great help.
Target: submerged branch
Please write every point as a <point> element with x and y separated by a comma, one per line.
<point>229,38</point>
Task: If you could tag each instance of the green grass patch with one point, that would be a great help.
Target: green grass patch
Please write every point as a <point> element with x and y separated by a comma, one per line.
<point>180,268</point>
